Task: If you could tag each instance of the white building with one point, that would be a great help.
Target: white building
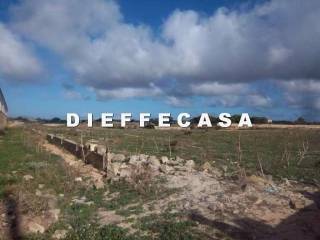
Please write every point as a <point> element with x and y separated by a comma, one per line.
<point>3,111</point>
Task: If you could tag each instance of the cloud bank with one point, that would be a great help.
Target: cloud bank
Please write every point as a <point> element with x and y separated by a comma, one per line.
<point>219,56</point>
<point>17,62</point>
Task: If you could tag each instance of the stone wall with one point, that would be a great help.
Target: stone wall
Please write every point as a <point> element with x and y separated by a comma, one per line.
<point>120,165</point>
<point>85,152</point>
<point>3,121</point>
<point>97,160</point>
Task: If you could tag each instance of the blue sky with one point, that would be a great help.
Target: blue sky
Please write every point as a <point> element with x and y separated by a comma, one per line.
<point>160,56</point>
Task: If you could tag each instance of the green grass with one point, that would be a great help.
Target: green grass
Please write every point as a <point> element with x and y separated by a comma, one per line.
<point>91,232</point>
<point>172,226</point>
<point>127,200</point>
<point>19,156</point>
<point>94,232</point>
<point>17,159</point>
<point>278,150</point>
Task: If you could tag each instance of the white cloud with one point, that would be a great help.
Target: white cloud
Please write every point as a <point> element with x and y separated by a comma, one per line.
<point>257,100</point>
<point>228,46</point>
<point>231,94</point>
<point>178,102</point>
<point>220,54</point>
<point>72,95</point>
<point>128,92</point>
<point>254,100</point>
<point>303,95</point>
<point>216,88</point>
<point>317,104</point>
<point>302,86</point>
<point>17,62</point>
<point>65,26</point>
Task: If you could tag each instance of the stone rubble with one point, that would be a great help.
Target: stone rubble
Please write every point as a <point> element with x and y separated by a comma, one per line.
<point>124,167</point>
<point>116,165</point>
<point>55,213</point>
<point>34,227</point>
<point>78,179</point>
<point>27,177</point>
<point>60,234</point>
<point>208,192</point>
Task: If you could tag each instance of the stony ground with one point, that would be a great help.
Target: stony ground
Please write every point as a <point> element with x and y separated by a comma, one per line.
<point>288,152</point>
<point>56,196</point>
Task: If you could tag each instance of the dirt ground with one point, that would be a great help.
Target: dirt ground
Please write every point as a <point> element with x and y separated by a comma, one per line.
<point>148,197</point>
<point>250,208</point>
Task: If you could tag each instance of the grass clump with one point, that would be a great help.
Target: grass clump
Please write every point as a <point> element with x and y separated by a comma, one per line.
<point>283,153</point>
<point>169,226</point>
<point>95,232</point>
<point>127,193</point>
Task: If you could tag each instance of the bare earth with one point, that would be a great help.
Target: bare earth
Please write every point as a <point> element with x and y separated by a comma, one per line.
<point>252,207</point>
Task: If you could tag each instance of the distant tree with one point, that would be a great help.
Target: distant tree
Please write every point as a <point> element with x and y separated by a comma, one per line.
<point>154,121</point>
<point>171,120</point>
<point>300,120</point>
<point>195,120</point>
<point>40,120</point>
<point>150,126</point>
<point>213,120</point>
<point>55,120</point>
<point>235,118</point>
<point>259,120</point>
<point>282,122</point>
<point>23,119</point>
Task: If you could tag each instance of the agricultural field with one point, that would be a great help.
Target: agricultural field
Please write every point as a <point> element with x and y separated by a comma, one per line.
<point>45,188</point>
<point>245,184</point>
<point>292,153</point>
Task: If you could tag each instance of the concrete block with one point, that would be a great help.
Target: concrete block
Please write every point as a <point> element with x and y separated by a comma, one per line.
<point>70,146</point>
<point>96,160</point>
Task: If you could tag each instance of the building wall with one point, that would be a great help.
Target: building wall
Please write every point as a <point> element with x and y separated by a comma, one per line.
<point>3,121</point>
<point>3,111</point>
<point>96,159</point>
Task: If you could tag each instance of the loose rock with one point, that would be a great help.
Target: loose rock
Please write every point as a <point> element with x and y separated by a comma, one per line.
<point>38,193</point>
<point>190,164</point>
<point>118,158</point>
<point>101,149</point>
<point>143,157</point>
<point>166,169</point>
<point>125,172</point>
<point>115,168</point>
<point>179,160</point>
<point>206,167</point>
<point>164,159</point>
<point>154,162</point>
<point>35,227</point>
<point>59,234</point>
<point>78,179</point>
<point>134,159</point>
<point>296,203</point>
<point>27,177</point>
<point>55,213</point>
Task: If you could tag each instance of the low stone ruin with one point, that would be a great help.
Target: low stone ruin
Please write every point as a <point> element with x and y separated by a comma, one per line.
<point>120,165</point>
<point>126,167</point>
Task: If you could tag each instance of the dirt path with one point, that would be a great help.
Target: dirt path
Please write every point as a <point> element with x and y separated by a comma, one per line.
<point>95,176</point>
<point>260,209</point>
